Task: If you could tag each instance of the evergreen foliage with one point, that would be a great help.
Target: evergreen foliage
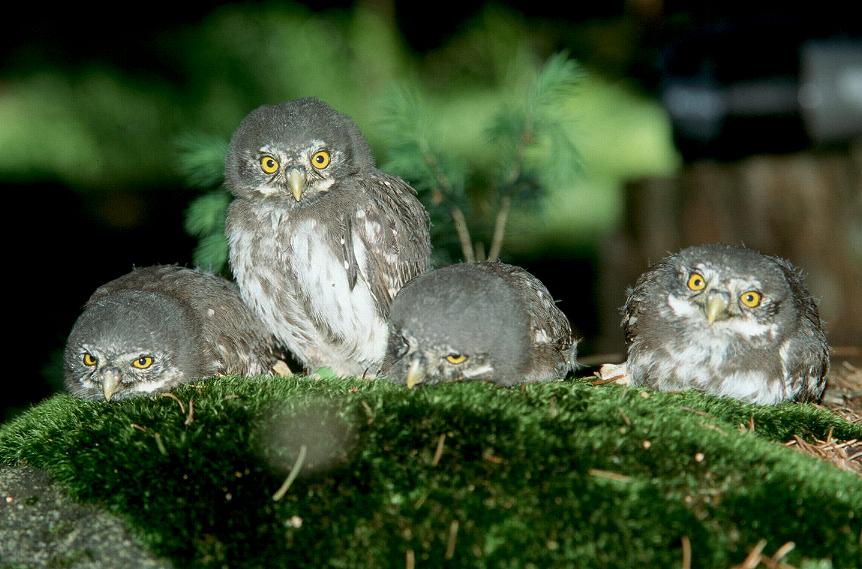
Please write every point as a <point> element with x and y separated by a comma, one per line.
<point>528,138</point>
<point>201,161</point>
<point>555,474</point>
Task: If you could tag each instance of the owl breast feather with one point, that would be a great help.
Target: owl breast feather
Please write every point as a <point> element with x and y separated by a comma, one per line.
<point>294,274</point>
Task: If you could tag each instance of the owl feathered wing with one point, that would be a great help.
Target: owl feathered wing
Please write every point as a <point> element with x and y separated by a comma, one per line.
<point>393,231</point>
<point>806,359</point>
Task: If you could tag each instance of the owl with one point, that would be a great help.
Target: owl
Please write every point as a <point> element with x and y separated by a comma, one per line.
<point>158,327</point>
<point>320,240</point>
<point>728,321</point>
<point>482,321</point>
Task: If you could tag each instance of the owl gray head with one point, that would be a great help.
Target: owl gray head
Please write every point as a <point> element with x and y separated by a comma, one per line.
<point>127,343</point>
<point>456,323</point>
<point>293,152</point>
<point>725,290</point>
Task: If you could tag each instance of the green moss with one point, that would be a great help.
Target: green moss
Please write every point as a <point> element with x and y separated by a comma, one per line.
<point>558,474</point>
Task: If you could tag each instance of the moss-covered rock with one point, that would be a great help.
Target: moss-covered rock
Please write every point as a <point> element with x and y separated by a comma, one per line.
<point>556,474</point>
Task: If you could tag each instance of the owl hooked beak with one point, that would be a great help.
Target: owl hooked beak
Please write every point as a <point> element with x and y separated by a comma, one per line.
<point>716,305</point>
<point>296,183</point>
<point>416,372</point>
<point>110,381</point>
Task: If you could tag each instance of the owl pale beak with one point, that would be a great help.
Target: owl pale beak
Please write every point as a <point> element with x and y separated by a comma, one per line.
<point>110,382</point>
<point>716,307</point>
<point>296,183</point>
<point>415,373</point>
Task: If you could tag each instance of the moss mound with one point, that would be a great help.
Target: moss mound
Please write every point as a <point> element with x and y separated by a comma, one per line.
<point>557,474</point>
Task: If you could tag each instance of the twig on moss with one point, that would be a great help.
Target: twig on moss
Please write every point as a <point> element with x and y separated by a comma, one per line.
<point>439,452</point>
<point>139,428</point>
<point>177,399</point>
<point>608,475</point>
<point>191,415</point>
<point>686,552</point>
<point>410,559</point>
<point>368,411</point>
<point>160,444</point>
<point>294,472</point>
<point>783,551</point>
<point>453,537</point>
<point>625,417</point>
<point>753,558</point>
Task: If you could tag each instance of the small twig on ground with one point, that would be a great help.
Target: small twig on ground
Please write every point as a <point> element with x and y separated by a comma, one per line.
<point>441,440</point>
<point>751,423</point>
<point>139,428</point>
<point>686,552</point>
<point>191,415</point>
<point>177,399</point>
<point>410,559</point>
<point>368,411</point>
<point>783,551</point>
<point>453,537</point>
<point>607,474</point>
<point>625,417</point>
<point>753,558</point>
<point>603,381</point>
<point>294,472</point>
<point>160,444</point>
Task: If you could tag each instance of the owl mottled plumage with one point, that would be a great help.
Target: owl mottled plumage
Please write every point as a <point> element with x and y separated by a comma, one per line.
<point>729,321</point>
<point>487,321</point>
<point>320,240</point>
<point>158,327</point>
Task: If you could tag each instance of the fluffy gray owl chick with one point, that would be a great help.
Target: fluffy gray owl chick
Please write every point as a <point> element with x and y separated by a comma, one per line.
<point>157,327</point>
<point>728,321</point>
<point>487,321</point>
<point>320,240</point>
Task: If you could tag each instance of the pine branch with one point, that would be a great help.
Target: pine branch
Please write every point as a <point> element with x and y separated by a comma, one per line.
<point>201,159</point>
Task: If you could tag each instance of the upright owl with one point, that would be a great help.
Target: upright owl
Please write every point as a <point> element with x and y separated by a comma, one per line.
<point>158,327</point>
<point>729,321</point>
<point>320,240</point>
<point>484,321</point>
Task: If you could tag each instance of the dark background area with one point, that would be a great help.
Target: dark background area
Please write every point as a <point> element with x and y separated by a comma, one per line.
<point>65,241</point>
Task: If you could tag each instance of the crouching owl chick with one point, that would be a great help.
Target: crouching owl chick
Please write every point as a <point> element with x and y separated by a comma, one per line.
<point>729,321</point>
<point>320,240</point>
<point>161,326</point>
<point>487,321</point>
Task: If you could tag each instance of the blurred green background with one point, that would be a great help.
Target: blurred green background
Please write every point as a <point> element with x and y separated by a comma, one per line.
<point>94,115</point>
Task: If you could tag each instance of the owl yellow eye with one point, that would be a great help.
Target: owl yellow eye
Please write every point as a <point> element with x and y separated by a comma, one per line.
<point>456,358</point>
<point>751,298</point>
<point>696,281</point>
<point>89,360</point>
<point>143,362</point>
<point>269,164</point>
<point>320,160</point>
